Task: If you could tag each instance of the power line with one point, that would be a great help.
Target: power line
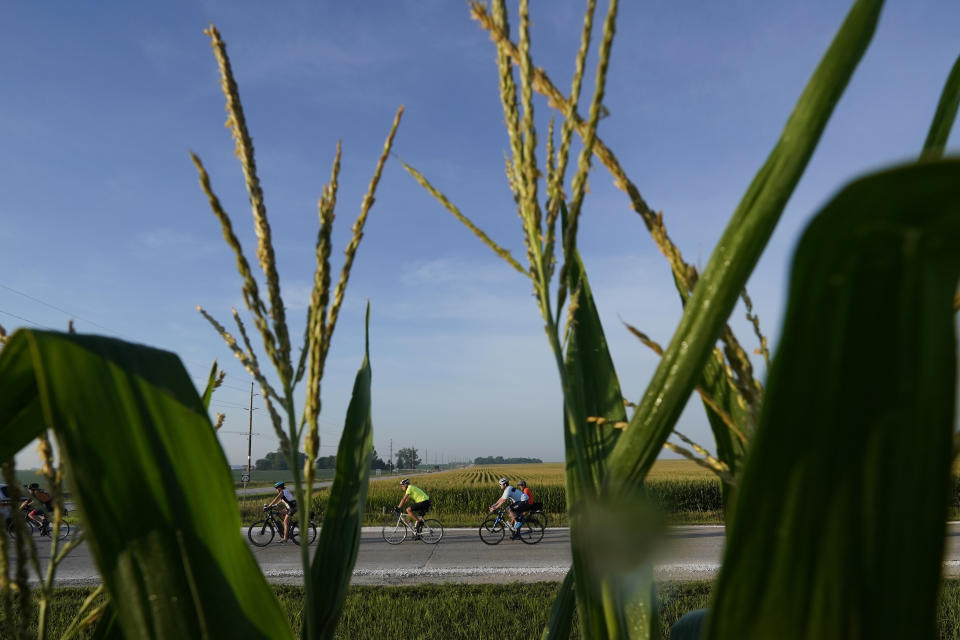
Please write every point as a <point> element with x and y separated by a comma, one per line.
<point>78,317</point>
<point>13,315</point>
<point>47,304</point>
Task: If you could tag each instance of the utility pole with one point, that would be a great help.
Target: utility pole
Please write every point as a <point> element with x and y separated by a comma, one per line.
<point>393,467</point>
<point>246,476</point>
<point>250,430</point>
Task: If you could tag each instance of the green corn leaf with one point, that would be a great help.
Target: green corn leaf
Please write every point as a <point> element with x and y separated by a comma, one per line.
<point>560,622</point>
<point>838,530</point>
<point>737,253</point>
<point>151,480</point>
<point>945,115</point>
<point>714,381</point>
<point>340,535</point>
<point>211,385</point>
<point>107,627</point>
<point>590,370</point>
<point>730,449</point>
<point>615,599</point>
<point>20,409</point>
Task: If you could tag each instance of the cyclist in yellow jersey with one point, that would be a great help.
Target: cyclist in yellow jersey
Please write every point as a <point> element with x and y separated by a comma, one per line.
<point>419,502</point>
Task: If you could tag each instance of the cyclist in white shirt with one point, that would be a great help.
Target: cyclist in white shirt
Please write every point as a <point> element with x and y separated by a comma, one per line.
<point>286,496</point>
<point>514,497</point>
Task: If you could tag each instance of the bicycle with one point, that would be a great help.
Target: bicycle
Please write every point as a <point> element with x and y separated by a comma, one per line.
<point>494,528</point>
<point>537,509</point>
<point>396,532</point>
<point>262,532</point>
<point>44,527</point>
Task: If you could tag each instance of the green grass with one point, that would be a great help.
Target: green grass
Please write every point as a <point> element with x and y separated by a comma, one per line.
<point>471,611</point>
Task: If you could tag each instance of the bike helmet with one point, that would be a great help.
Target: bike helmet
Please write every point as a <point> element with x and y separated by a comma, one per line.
<point>405,481</point>
<point>504,481</point>
<point>522,483</point>
<point>34,486</point>
<point>277,485</point>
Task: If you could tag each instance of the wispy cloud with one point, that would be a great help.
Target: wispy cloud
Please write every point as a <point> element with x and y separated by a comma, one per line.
<point>166,239</point>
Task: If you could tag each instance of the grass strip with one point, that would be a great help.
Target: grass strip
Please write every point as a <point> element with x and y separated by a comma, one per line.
<point>455,611</point>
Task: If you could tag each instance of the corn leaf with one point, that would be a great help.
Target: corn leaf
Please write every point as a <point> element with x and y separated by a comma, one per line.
<point>107,627</point>
<point>340,536</point>
<point>714,381</point>
<point>151,480</point>
<point>560,623</point>
<point>838,530</point>
<point>737,253</point>
<point>590,370</point>
<point>730,449</point>
<point>211,385</point>
<point>944,116</point>
<point>619,601</point>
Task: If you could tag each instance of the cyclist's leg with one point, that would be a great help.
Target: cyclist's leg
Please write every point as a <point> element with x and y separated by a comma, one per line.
<point>424,507</point>
<point>415,514</point>
<point>291,511</point>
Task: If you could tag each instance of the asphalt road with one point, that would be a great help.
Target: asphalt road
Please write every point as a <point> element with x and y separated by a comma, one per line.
<point>688,553</point>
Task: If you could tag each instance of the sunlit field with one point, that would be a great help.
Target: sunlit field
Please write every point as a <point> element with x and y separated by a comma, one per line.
<point>686,492</point>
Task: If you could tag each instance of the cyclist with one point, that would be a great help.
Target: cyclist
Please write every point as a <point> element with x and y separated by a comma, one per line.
<point>522,485</point>
<point>534,506</point>
<point>517,500</point>
<point>290,504</point>
<point>45,501</point>
<point>419,505</point>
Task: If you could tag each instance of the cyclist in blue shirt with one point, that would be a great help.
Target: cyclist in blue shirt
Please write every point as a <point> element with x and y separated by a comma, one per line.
<point>518,501</point>
<point>289,502</point>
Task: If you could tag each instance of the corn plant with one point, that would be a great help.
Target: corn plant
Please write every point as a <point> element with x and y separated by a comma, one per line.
<point>608,456</point>
<point>270,321</point>
<point>136,438</point>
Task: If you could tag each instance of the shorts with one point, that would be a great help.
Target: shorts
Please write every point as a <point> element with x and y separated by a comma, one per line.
<point>421,507</point>
<point>291,507</point>
<point>520,507</point>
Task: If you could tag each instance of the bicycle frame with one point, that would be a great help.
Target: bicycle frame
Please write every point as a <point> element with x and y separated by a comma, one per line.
<point>431,533</point>
<point>529,531</point>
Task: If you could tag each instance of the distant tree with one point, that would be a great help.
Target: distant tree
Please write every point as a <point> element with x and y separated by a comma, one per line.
<point>408,458</point>
<point>327,462</point>
<point>376,462</point>
<point>275,461</point>
<point>502,460</point>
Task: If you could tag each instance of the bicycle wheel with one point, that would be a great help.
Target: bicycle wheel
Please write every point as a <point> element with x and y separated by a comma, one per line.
<point>30,529</point>
<point>542,517</point>
<point>311,534</point>
<point>531,530</point>
<point>491,531</point>
<point>294,532</point>
<point>432,531</point>
<point>65,528</point>
<point>394,532</point>
<point>260,533</point>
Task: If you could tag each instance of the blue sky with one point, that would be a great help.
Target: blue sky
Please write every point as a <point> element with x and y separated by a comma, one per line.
<point>102,219</point>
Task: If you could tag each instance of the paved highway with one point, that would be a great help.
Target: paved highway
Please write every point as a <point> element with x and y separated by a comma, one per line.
<point>688,553</point>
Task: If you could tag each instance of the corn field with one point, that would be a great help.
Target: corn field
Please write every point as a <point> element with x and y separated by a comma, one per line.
<point>682,489</point>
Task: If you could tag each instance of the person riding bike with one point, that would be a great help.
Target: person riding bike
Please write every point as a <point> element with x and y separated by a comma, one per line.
<point>419,505</point>
<point>517,500</point>
<point>522,485</point>
<point>45,504</point>
<point>290,504</point>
